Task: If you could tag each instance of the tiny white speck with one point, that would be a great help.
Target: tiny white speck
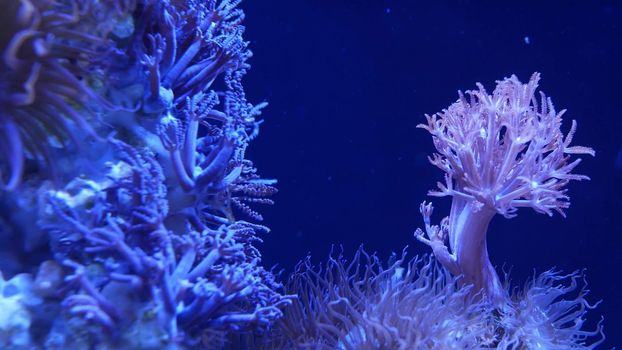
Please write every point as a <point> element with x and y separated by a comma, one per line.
<point>526,39</point>
<point>482,133</point>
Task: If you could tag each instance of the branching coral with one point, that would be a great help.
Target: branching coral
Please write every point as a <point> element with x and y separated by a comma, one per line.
<point>184,47</point>
<point>499,152</point>
<point>212,169</point>
<point>192,282</point>
<point>145,245</point>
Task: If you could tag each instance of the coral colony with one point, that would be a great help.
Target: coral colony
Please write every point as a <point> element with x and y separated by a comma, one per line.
<point>128,207</point>
<point>127,125</point>
<point>499,152</point>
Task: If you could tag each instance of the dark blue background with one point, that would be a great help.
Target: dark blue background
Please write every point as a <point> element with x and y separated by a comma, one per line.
<point>348,81</point>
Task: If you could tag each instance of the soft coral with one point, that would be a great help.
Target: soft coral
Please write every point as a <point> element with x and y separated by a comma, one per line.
<point>499,152</point>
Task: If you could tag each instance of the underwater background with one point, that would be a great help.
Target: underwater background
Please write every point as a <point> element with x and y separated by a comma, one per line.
<point>132,209</point>
<point>347,83</point>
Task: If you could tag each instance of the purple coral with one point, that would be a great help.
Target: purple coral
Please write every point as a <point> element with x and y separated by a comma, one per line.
<point>147,247</point>
<point>198,280</point>
<point>184,48</point>
<point>499,152</point>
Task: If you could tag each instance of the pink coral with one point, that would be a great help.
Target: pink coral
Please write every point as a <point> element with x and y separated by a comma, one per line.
<point>499,152</point>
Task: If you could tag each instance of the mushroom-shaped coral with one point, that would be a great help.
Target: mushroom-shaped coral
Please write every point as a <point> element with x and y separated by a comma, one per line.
<point>499,152</point>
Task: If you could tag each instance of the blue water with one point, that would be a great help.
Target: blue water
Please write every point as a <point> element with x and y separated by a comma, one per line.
<point>348,81</point>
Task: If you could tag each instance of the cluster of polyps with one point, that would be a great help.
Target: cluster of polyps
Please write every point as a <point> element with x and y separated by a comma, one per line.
<point>499,152</point>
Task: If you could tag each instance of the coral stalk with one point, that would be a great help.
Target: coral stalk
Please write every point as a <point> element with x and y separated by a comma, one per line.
<point>499,152</point>
<point>467,231</point>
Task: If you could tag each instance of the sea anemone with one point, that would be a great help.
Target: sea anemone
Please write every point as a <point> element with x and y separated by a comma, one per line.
<point>46,55</point>
<point>365,304</point>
